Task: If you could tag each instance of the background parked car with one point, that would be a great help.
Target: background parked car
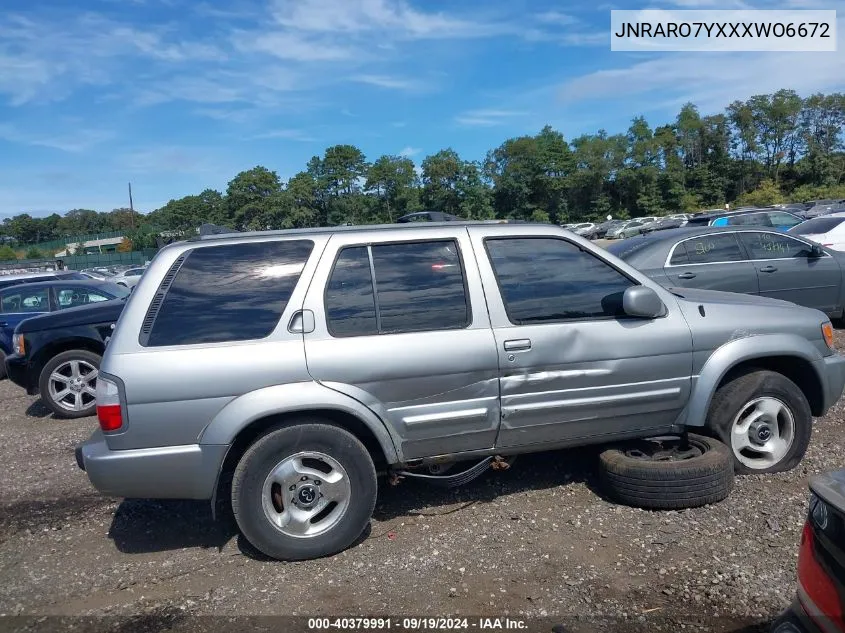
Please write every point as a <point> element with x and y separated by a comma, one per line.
<point>26,278</point>
<point>58,355</point>
<point>820,601</point>
<point>600,230</point>
<point>772,218</point>
<point>128,278</point>
<point>627,229</point>
<point>25,301</point>
<point>752,261</point>
<point>583,228</point>
<point>827,230</point>
<point>824,207</point>
<point>664,224</point>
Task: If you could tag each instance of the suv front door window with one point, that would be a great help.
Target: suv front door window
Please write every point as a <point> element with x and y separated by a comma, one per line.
<point>556,312</point>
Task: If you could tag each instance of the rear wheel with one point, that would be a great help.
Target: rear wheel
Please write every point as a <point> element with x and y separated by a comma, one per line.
<point>766,420</point>
<point>304,491</point>
<point>68,382</point>
<point>2,364</point>
<point>668,473</point>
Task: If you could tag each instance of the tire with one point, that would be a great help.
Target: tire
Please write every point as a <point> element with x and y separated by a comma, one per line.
<point>635,474</point>
<point>63,364</point>
<point>2,364</point>
<point>732,406</point>
<point>256,503</point>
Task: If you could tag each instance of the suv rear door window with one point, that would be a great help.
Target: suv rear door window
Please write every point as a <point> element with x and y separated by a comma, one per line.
<point>544,279</point>
<point>419,287</point>
<point>234,292</point>
<point>710,249</point>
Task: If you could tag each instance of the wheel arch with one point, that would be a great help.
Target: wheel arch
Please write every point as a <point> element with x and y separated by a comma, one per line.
<point>61,345</point>
<point>787,354</point>
<point>245,418</point>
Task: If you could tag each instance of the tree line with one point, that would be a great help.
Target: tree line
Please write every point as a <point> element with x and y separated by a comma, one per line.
<point>768,149</point>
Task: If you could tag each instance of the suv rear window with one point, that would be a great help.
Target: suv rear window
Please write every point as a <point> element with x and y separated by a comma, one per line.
<point>234,292</point>
<point>419,287</point>
<point>822,224</point>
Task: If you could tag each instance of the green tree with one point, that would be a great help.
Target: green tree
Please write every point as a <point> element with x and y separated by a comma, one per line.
<point>7,254</point>
<point>247,196</point>
<point>391,178</point>
<point>33,253</point>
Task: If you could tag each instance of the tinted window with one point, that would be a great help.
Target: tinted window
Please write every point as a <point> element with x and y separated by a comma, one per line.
<point>420,287</point>
<point>23,300</point>
<point>72,297</point>
<point>750,219</point>
<point>707,249</point>
<point>350,303</point>
<point>679,256</point>
<point>234,292</point>
<point>816,226</point>
<point>773,246</point>
<point>548,279</point>
<point>783,219</point>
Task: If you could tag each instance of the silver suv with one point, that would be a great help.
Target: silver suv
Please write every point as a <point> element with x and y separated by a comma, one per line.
<point>284,370</point>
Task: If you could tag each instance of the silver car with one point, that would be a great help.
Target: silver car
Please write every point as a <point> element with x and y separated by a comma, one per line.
<point>128,278</point>
<point>282,371</point>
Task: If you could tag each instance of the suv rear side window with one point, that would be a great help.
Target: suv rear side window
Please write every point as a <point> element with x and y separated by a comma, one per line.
<point>234,292</point>
<point>419,287</point>
<point>549,279</point>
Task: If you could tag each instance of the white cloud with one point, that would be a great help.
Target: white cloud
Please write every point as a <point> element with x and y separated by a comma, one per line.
<point>710,80</point>
<point>295,47</point>
<point>384,81</point>
<point>556,17</point>
<point>75,141</point>
<point>288,134</point>
<point>487,117</point>
<point>409,151</point>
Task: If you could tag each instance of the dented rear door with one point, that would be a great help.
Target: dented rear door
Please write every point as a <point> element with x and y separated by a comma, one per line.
<point>573,367</point>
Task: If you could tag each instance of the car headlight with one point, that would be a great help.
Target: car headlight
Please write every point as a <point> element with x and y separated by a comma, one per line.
<point>19,345</point>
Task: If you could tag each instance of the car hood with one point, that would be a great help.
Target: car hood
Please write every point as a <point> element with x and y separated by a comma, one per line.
<point>717,317</point>
<point>81,315</point>
<point>698,295</point>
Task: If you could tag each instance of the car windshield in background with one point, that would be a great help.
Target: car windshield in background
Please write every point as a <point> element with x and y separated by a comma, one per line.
<point>822,224</point>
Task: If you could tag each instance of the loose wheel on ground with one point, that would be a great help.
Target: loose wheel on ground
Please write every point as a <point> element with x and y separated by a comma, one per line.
<point>304,491</point>
<point>668,474</point>
<point>765,418</point>
<point>68,383</point>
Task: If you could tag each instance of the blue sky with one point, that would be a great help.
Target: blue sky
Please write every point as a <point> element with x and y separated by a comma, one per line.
<point>179,95</point>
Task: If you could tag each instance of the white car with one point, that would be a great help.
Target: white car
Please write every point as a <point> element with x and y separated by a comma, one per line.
<point>827,230</point>
<point>128,278</point>
<point>584,227</point>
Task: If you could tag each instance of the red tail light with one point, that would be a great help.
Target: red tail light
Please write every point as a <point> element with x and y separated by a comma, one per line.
<point>820,598</point>
<point>109,412</point>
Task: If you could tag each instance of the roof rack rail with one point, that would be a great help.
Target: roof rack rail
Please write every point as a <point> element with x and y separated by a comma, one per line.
<point>213,229</point>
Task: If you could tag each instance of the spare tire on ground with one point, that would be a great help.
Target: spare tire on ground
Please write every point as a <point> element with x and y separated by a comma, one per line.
<point>665,473</point>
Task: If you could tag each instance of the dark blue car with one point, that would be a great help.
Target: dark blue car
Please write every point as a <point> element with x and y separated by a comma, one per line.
<point>22,301</point>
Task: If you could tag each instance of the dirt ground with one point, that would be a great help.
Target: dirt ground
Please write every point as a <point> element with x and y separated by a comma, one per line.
<point>537,542</point>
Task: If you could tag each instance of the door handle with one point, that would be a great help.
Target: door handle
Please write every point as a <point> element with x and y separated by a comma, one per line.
<point>518,345</point>
<point>768,269</point>
<point>686,276</point>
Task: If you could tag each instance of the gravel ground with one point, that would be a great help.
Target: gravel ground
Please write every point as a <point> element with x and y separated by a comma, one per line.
<point>536,541</point>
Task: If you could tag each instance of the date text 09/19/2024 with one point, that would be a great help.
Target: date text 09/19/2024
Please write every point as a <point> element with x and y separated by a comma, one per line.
<point>417,624</point>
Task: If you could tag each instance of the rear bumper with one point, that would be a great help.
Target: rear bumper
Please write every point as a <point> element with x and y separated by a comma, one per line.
<point>832,370</point>
<point>795,620</point>
<point>19,370</point>
<point>169,472</point>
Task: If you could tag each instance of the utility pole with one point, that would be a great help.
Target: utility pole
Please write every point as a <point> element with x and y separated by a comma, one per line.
<point>131,208</point>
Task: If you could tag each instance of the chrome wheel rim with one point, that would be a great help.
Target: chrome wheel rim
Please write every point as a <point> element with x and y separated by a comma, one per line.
<point>72,385</point>
<point>306,494</point>
<point>762,433</point>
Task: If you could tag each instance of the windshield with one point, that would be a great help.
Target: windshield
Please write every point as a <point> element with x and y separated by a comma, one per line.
<point>816,226</point>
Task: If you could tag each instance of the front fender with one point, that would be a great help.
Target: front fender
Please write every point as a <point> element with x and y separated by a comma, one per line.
<point>734,352</point>
<point>290,398</point>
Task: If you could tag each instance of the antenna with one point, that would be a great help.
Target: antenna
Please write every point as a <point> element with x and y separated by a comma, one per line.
<point>131,208</point>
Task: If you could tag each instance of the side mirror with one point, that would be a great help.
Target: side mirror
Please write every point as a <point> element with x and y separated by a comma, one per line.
<point>642,301</point>
<point>816,251</point>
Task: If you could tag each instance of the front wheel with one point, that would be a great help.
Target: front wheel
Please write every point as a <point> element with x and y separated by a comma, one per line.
<point>68,383</point>
<point>304,491</point>
<point>766,420</point>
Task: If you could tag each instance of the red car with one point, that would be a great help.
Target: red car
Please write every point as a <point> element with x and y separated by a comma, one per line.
<point>820,603</point>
